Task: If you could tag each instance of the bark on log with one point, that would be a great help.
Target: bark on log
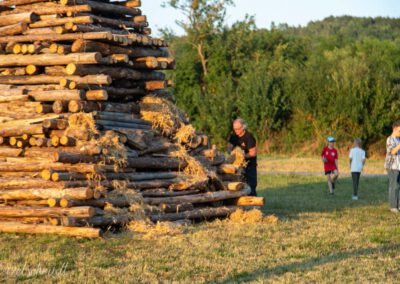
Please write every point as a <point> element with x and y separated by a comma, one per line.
<point>64,37</point>
<point>45,79</point>
<point>50,9</point>
<point>165,193</point>
<point>19,130</point>
<point>50,59</point>
<point>113,72</point>
<point>24,17</point>
<point>62,21</point>
<point>82,45</point>
<point>81,193</point>
<point>199,198</point>
<point>105,8</point>
<point>249,201</point>
<point>156,163</point>
<point>11,3</point>
<point>203,213</point>
<point>13,29</point>
<point>176,208</point>
<point>16,227</point>
<point>51,96</point>
<point>10,152</point>
<point>23,211</point>
<point>117,202</point>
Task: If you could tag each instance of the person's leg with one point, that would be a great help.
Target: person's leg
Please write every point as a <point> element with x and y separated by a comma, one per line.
<point>251,179</point>
<point>334,177</point>
<point>393,189</point>
<point>330,184</point>
<point>354,178</point>
<point>357,183</point>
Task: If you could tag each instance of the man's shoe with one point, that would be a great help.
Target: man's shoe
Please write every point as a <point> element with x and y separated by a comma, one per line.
<point>354,197</point>
<point>394,210</point>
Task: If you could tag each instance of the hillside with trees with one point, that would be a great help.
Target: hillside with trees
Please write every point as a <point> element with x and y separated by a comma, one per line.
<point>293,85</point>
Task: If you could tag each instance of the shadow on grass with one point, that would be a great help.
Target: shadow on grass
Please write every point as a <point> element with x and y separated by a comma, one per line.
<point>307,264</point>
<point>287,196</point>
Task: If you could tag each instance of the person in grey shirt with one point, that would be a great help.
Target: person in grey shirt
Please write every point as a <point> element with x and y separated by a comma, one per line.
<point>392,166</point>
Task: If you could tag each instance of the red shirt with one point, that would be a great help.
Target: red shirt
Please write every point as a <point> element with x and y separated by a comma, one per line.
<point>331,155</point>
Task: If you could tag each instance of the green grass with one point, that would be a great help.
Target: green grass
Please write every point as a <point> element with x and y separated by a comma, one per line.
<point>318,238</point>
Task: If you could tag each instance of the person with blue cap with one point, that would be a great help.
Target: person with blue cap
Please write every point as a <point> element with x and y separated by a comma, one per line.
<point>330,158</point>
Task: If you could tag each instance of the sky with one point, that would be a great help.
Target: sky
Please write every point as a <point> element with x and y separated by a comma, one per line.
<point>292,12</point>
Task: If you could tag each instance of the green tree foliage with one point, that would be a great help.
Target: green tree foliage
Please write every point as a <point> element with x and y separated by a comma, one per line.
<point>294,86</point>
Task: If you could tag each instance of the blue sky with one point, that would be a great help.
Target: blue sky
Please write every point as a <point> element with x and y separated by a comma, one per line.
<point>292,12</point>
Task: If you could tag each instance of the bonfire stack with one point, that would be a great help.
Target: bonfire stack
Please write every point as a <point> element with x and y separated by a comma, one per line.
<point>89,135</point>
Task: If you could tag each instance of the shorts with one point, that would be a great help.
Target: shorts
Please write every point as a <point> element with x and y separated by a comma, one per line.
<point>334,172</point>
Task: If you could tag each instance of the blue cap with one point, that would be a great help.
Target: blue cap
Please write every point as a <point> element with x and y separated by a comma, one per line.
<point>330,139</point>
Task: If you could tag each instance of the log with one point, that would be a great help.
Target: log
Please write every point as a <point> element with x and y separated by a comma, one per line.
<point>23,211</point>
<point>235,185</point>
<point>26,183</point>
<point>113,72</point>
<point>202,213</point>
<point>57,95</point>
<point>64,37</point>
<point>13,29</point>
<point>10,152</point>
<point>45,79</point>
<point>198,198</point>
<point>49,59</point>
<point>40,166</point>
<point>26,17</point>
<point>162,192</point>
<point>117,202</point>
<point>98,221</point>
<point>176,208</point>
<point>19,130</point>
<point>46,193</point>
<point>61,21</point>
<point>11,3</point>
<point>156,163</point>
<point>105,8</point>
<point>16,227</point>
<point>50,9</point>
<point>60,106</point>
<point>249,201</point>
<point>82,45</point>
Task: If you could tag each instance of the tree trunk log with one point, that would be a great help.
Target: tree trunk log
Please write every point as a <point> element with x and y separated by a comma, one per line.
<point>44,79</point>
<point>63,37</point>
<point>16,227</point>
<point>21,17</point>
<point>82,45</point>
<point>24,211</point>
<point>62,21</point>
<point>46,193</point>
<point>13,29</point>
<point>199,198</point>
<point>203,213</point>
<point>50,59</point>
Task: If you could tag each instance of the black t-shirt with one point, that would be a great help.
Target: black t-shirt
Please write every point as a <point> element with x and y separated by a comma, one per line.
<point>246,142</point>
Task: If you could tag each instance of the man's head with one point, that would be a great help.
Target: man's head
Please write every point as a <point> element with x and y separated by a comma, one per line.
<point>357,142</point>
<point>239,127</point>
<point>396,128</point>
<point>331,141</point>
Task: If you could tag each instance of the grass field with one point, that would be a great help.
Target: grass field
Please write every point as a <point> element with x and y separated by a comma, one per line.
<point>313,165</point>
<point>318,238</point>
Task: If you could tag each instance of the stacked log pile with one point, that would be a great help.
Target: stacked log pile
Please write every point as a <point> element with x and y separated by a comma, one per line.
<point>89,134</point>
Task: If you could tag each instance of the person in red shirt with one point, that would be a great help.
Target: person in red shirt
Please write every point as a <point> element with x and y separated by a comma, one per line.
<point>330,157</point>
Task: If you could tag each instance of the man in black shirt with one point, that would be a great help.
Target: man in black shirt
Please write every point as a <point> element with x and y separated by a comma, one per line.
<point>246,141</point>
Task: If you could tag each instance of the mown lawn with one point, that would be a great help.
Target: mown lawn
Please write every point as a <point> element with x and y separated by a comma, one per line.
<point>318,238</point>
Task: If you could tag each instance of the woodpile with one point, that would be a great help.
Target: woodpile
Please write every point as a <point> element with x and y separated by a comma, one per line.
<point>90,138</point>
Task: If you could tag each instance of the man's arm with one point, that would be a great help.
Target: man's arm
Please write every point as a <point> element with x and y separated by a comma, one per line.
<point>395,150</point>
<point>230,148</point>
<point>252,153</point>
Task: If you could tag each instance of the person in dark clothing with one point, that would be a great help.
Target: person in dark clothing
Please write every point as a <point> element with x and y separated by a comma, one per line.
<point>246,141</point>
